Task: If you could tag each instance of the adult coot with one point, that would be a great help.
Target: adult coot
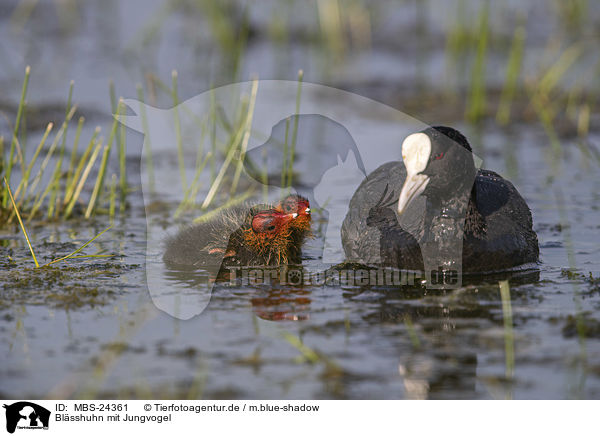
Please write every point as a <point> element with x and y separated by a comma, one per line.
<point>243,236</point>
<point>437,206</point>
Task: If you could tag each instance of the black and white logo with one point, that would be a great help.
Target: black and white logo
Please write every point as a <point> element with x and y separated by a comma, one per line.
<point>26,415</point>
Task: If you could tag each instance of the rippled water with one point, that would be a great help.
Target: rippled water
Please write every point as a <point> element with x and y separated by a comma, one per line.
<point>94,331</point>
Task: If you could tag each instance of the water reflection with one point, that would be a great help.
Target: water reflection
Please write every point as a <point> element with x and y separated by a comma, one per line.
<point>428,330</point>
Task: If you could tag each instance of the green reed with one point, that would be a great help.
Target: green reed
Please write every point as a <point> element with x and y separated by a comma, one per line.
<point>191,193</point>
<point>13,143</point>
<point>579,316</point>
<point>121,144</point>
<point>54,194</point>
<point>509,338</point>
<point>332,27</point>
<point>284,163</point>
<point>239,199</point>
<point>112,198</point>
<point>177,126</point>
<point>230,35</point>
<point>34,257</point>
<point>295,130</point>
<point>86,172</point>
<point>543,97</point>
<point>53,187</point>
<point>72,184</point>
<point>513,69</point>
<point>458,41</point>
<point>147,139</point>
<point>6,184</point>
<point>412,332</point>
<point>24,184</point>
<point>246,138</point>
<point>237,145</point>
<point>104,162</point>
<point>41,195</point>
<point>309,355</point>
<point>476,100</point>
<point>238,133</point>
<point>74,148</point>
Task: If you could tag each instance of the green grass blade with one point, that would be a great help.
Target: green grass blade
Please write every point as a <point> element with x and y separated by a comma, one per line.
<point>25,177</point>
<point>147,141</point>
<point>53,146</point>
<point>178,141</point>
<point>99,181</point>
<point>79,249</point>
<point>412,333</point>
<point>74,150</point>
<point>295,130</point>
<point>58,167</point>
<point>476,104</point>
<point>113,195</point>
<point>509,341</point>
<point>246,139</point>
<point>190,194</point>
<point>70,189</point>
<point>515,60</point>
<point>232,202</point>
<point>122,166</point>
<point>16,130</point>
<point>308,353</point>
<point>104,162</point>
<point>84,176</point>
<point>284,164</point>
<point>21,222</point>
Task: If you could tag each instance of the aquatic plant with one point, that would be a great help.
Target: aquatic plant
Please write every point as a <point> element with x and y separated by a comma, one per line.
<point>66,179</point>
<point>68,256</point>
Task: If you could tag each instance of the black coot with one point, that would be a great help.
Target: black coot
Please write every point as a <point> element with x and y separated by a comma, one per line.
<point>404,211</point>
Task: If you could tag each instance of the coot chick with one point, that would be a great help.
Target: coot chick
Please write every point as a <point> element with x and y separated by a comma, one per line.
<point>450,201</point>
<point>300,226</point>
<point>241,236</point>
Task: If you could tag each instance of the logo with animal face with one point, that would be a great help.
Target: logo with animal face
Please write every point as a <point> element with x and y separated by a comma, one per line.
<point>26,415</point>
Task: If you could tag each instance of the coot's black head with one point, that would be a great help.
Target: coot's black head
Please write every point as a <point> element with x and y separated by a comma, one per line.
<point>439,164</point>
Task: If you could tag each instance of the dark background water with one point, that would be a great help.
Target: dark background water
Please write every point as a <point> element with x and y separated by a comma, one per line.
<point>96,333</point>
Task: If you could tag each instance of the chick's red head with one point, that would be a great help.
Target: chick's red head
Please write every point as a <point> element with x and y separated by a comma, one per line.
<point>270,223</point>
<point>299,205</point>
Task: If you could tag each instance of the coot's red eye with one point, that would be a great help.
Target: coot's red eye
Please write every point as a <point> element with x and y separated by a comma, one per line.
<point>439,156</point>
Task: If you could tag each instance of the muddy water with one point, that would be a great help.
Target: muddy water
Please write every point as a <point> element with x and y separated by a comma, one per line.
<point>89,328</point>
<point>455,348</point>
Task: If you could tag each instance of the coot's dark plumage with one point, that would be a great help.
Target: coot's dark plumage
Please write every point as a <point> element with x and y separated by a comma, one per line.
<point>395,243</point>
<point>404,208</point>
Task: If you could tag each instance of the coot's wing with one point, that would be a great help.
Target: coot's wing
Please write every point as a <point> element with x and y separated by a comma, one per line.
<point>362,242</point>
<point>509,239</point>
<point>497,196</point>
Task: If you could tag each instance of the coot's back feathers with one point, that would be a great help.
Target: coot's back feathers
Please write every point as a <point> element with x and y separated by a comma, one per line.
<point>498,233</point>
<point>361,242</point>
<point>509,239</point>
